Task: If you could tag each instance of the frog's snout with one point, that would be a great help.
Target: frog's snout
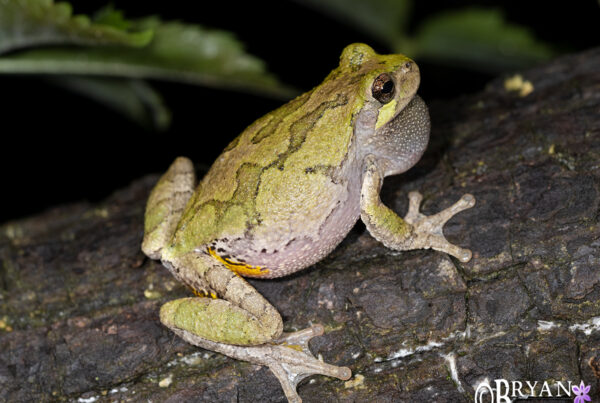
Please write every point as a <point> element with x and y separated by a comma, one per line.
<point>408,66</point>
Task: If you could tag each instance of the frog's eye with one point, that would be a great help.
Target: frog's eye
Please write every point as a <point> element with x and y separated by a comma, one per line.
<point>383,88</point>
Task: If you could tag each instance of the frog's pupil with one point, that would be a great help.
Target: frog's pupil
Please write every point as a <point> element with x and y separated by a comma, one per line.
<point>388,87</point>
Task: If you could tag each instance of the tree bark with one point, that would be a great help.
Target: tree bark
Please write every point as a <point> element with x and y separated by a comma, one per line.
<point>79,302</point>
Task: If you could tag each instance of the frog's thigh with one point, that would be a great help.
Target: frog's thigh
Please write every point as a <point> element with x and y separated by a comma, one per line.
<point>165,205</point>
<point>415,231</point>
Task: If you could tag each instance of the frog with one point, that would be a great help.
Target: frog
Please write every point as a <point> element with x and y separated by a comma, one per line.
<point>281,197</point>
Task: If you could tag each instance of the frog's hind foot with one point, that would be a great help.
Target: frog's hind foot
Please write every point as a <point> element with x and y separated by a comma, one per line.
<point>296,362</point>
<point>288,357</point>
<point>429,229</point>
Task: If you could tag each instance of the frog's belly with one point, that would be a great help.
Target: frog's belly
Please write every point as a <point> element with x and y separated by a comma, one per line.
<point>281,248</point>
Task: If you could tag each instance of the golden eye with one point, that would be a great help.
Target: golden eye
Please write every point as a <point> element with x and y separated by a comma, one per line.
<point>383,88</point>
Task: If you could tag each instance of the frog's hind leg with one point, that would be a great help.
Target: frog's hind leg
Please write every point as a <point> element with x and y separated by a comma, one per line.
<point>166,204</point>
<point>288,357</point>
<point>242,325</point>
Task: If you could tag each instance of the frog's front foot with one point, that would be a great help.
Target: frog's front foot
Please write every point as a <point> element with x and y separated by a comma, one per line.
<point>288,357</point>
<point>428,229</point>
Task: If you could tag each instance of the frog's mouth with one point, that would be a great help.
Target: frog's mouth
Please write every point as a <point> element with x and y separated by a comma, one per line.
<point>403,140</point>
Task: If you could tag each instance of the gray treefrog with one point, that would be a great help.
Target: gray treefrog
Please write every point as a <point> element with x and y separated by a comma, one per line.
<point>280,197</point>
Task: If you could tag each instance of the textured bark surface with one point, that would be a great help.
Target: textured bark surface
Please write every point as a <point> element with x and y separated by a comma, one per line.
<point>79,302</point>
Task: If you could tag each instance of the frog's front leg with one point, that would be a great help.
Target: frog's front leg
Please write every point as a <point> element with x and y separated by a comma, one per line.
<point>415,231</point>
<point>243,325</point>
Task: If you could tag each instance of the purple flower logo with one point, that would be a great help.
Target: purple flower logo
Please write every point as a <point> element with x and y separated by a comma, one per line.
<point>581,393</point>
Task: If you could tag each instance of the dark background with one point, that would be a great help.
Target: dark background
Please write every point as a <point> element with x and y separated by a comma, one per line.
<point>59,147</point>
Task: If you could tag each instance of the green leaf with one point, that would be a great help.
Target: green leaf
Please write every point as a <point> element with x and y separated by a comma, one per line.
<point>477,38</point>
<point>135,99</point>
<point>178,52</point>
<point>108,15</point>
<point>385,20</point>
<point>26,23</point>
